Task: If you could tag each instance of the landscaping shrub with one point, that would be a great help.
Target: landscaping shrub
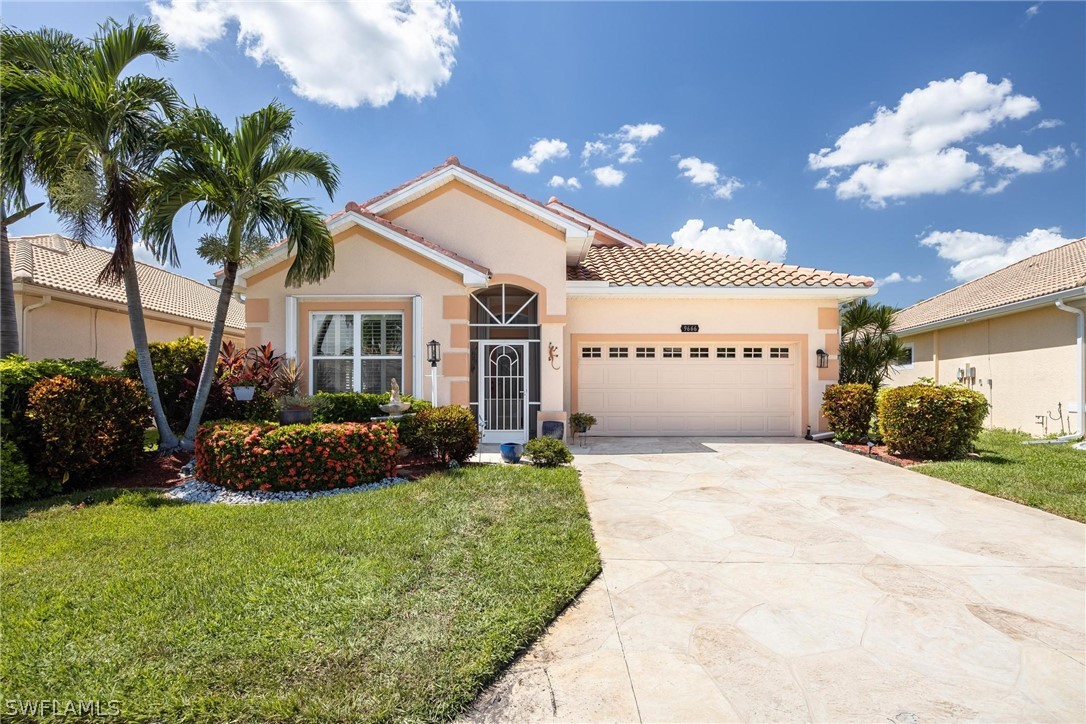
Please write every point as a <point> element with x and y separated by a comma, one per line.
<point>16,482</point>
<point>177,371</point>
<point>547,452</point>
<point>356,406</point>
<point>89,427</point>
<point>247,456</point>
<point>848,408</point>
<point>447,434</point>
<point>18,375</point>
<point>931,422</point>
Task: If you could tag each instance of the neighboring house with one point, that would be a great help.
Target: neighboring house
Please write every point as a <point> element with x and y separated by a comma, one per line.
<point>1013,335</point>
<point>64,312</point>
<point>542,310</point>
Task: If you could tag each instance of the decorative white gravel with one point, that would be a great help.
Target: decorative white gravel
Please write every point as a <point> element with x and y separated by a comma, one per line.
<point>197,491</point>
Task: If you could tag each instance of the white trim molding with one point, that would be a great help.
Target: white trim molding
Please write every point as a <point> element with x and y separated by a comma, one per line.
<point>292,327</point>
<point>416,345</point>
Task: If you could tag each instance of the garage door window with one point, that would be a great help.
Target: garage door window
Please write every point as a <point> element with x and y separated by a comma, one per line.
<point>618,352</point>
<point>725,352</point>
<point>699,353</point>
<point>673,352</point>
<point>752,353</point>
<point>591,352</point>
<point>778,353</point>
<point>646,353</point>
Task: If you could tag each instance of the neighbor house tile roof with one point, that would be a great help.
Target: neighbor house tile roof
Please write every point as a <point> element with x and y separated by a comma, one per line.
<point>665,265</point>
<point>1060,269</point>
<point>51,261</point>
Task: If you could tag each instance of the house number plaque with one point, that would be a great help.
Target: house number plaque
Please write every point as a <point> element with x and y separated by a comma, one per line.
<point>689,328</point>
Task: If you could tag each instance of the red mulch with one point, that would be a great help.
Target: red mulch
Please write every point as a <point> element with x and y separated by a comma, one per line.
<point>154,471</point>
<point>879,452</point>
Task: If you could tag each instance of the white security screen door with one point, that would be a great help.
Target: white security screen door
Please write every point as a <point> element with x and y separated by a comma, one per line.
<point>503,392</point>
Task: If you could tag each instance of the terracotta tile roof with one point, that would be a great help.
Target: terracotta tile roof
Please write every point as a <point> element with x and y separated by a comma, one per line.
<point>666,265</point>
<point>1058,270</point>
<point>54,262</point>
<point>561,208</point>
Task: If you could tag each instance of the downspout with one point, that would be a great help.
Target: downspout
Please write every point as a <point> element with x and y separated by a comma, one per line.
<point>1081,363</point>
<point>24,343</point>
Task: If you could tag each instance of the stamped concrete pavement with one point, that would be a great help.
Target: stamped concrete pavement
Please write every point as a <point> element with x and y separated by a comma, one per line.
<point>781,580</point>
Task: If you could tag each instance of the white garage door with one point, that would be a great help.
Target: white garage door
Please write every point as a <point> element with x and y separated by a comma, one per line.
<point>669,389</point>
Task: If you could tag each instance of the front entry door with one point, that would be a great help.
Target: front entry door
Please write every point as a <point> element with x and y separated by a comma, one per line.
<point>503,392</point>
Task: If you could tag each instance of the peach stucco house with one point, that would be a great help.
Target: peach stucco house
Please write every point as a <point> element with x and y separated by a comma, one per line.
<point>1015,334</point>
<point>542,310</point>
<point>63,311</point>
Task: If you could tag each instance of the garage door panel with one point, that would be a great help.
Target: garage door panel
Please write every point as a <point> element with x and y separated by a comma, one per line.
<point>690,396</point>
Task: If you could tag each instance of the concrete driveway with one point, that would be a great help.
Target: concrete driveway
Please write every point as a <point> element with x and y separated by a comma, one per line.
<point>770,580</point>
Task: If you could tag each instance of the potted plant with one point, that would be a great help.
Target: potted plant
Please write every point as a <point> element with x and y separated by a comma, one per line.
<point>295,408</point>
<point>581,422</point>
<point>243,383</point>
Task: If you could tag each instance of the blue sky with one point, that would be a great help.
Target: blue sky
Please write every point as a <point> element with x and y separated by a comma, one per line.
<point>932,141</point>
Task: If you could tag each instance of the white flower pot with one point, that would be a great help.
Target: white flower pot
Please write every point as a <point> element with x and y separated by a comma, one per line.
<point>244,393</point>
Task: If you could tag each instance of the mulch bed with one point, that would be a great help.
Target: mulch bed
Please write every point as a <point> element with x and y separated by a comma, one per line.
<point>155,471</point>
<point>879,452</point>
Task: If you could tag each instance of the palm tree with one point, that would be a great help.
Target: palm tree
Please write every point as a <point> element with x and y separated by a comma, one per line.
<point>237,182</point>
<point>869,347</point>
<point>26,52</point>
<point>96,136</point>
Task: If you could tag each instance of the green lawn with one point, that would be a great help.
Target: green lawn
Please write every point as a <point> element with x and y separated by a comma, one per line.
<point>1049,477</point>
<point>397,604</point>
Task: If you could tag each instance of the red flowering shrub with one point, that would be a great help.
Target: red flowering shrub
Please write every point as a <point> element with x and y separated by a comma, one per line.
<point>251,456</point>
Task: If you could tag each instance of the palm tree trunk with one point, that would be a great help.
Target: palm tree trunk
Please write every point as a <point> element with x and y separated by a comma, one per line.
<point>9,321</point>
<point>166,439</point>
<point>214,344</point>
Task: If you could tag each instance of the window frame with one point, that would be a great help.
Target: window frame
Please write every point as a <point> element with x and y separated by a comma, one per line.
<point>591,352</point>
<point>671,353</point>
<point>753,353</point>
<point>726,352</point>
<point>911,346</point>
<point>357,357</point>
<point>780,353</point>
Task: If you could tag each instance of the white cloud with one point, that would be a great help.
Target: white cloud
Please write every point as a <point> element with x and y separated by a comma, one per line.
<point>1045,124</point>
<point>909,151</point>
<point>1017,161</point>
<point>343,54</point>
<point>742,237</point>
<point>608,176</point>
<point>543,150</point>
<point>704,173</point>
<point>977,254</point>
<point>641,133</point>
<point>558,182</point>
<point>896,277</point>
<point>1032,10</point>
<point>624,144</point>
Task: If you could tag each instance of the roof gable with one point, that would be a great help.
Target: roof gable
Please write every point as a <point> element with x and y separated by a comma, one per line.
<point>1058,270</point>
<point>609,233</point>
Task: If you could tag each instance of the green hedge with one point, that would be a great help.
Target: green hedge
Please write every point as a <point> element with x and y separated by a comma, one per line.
<point>848,408</point>
<point>356,406</point>
<point>547,452</point>
<point>89,428</point>
<point>247,456</point>
<point>930,422</point>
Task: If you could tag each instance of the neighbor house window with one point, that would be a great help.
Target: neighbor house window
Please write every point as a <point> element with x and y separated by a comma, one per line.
<point>699,353</point>
<point>673,352</point>
<point>591,352</point>
<point>752,352</point>
<point>618,352</point>
<point>725,352</point>
<point>778,353</point>
<point>356,351</point>
<point>646,352</point>
<point>907,361</point>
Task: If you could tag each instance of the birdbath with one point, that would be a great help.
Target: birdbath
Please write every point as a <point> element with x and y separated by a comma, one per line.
<point>396,406</point>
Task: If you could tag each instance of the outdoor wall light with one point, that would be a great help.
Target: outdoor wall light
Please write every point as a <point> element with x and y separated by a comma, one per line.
<point>822,360</point>
<point>433,356</point>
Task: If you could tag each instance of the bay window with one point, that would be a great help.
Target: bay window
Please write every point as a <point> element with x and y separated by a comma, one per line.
<point>356,351</point>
